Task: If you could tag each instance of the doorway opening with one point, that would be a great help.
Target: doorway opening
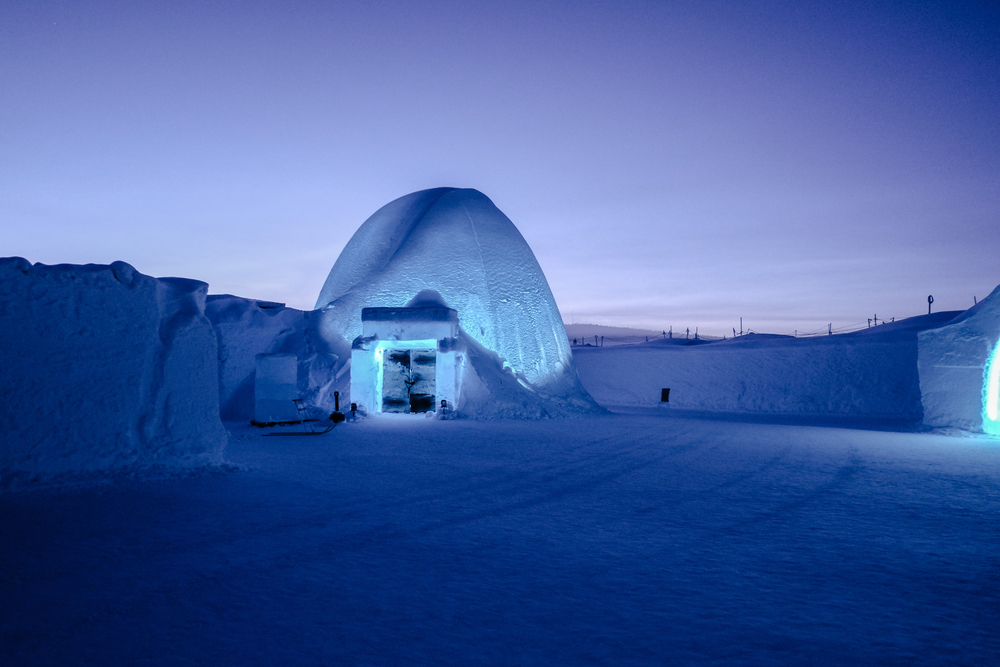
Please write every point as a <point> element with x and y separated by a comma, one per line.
<point>409,380</point>
<point>991,394</point>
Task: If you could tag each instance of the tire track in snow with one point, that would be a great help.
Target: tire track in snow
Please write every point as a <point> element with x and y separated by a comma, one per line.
<point>541,484</point>
<point>843,475</point>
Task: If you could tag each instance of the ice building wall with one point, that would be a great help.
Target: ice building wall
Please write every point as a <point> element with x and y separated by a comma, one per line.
<point>257,335</point>
<point>960,370</point>
<point>103,368</point>
<point>937,371</point>
<point>407,360</point>
<point>457,243</point>
<point>846,377</point>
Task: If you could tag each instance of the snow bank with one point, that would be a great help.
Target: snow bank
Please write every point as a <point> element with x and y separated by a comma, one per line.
<point>103,368</point>
<point>872,376</point>
<point>247,328</point>
<point>957,388</point>
<point>489,390</point>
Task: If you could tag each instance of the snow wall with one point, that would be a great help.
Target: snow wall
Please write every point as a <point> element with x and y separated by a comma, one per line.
<point>872,377</point>
<point>940,370</point>
<point>247,328</point>
<point>457,243</point>
<point>103,368</point>
<point>960,370</point>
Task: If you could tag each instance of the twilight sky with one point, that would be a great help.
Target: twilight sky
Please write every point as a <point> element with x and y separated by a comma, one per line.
<point>670,163</point>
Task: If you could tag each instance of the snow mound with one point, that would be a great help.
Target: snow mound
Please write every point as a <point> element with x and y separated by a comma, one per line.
<point>103,368</point>
<point>247,328</point>
<point>954,361</point>
<point>457,243</point>
<point>492,391</point>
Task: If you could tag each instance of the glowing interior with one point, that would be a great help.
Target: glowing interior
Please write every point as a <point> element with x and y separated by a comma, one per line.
<point>991,399</point>
<point>380,348</point>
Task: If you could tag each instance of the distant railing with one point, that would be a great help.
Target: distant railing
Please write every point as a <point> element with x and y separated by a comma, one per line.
<point>598,340</point>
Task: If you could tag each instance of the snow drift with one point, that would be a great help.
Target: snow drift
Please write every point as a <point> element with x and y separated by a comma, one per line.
<point>104,368</point>
<point>457,243</point>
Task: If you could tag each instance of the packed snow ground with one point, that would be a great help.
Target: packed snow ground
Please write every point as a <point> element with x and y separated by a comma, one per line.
<point>640,539</point>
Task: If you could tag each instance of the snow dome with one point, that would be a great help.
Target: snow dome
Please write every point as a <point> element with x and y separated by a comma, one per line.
<point>459,244</point>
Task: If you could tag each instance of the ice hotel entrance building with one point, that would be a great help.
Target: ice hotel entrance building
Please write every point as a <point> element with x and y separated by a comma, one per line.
<point>404,360</point>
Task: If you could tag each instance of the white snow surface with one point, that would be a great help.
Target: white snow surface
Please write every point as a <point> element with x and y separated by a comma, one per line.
<point>103,369</point>
<point>869,377</point>
<point>244,330</point>
<point>491,391</point>
<point>457,243</point>
<point>952,368</point>
<point>606,540</point>
<point>926,369</point>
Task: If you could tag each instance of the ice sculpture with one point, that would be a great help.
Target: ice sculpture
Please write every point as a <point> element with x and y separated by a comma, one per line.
<point>459,244</point>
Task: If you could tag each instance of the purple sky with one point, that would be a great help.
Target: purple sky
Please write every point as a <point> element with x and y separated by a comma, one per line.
<point>670,163</point>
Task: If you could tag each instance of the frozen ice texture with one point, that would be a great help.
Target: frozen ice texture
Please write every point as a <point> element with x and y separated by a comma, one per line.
<point>246,328</point>
<point>104,368</point>
<point>862,377</point>
<point>955,386</point>
<point>275,390</point>
<point>457,243</point>
<point>933,370</point>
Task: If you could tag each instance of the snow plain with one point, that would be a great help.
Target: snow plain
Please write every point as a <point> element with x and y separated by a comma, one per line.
<point>616,539</point>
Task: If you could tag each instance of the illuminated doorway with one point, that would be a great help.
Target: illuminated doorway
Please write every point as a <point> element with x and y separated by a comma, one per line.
<point>409,380</point>
<point>991,393</point>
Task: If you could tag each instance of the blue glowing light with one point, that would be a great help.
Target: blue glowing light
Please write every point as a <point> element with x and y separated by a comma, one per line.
<point>991,394</point>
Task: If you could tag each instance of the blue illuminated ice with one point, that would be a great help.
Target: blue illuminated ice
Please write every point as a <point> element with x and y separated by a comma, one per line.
<point>960,371</point>
<point>991,409</point>
<point>459,244</point>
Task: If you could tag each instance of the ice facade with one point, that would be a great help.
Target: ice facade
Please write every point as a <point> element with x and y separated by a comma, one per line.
<point>104,368</point>
<point>407,360</point>
<point>457,243</point>
<point>991,394</point>
<point>959,370</point>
